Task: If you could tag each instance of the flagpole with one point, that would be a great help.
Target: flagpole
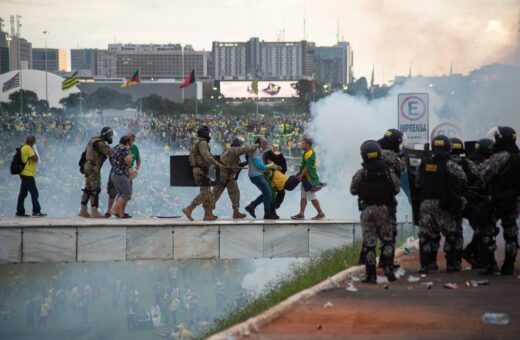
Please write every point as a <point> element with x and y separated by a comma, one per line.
<point>182,63</point>
<point>21,82</point>
<point>46,83</point>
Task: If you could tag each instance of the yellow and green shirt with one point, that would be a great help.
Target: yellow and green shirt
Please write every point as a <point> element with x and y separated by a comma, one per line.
<point>30,165</point>
<point>309,162</point>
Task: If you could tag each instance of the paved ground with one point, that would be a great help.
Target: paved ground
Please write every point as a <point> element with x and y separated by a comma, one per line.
<point>406,310</point>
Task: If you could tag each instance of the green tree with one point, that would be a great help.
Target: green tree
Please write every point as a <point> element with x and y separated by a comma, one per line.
<point>71,103</point>
<point>29,101</point>
<point>107,98</point>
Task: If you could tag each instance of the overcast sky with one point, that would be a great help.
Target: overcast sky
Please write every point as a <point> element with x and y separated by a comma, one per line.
<point>391,34</point>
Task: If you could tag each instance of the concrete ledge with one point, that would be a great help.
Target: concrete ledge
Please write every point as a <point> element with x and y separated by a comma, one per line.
<point>79,239</point>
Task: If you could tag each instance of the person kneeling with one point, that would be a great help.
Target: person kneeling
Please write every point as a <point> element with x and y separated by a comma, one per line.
<point>376,186</point>
<point>121,160</point>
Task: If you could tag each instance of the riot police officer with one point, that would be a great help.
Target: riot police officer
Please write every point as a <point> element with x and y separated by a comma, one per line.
<point>440,183</point>
<point>502,172</point>
<point>473,182</point>
<point>201,159</point>
<point>96,152</point>
<point>228,176</point>
<point>376,186</point>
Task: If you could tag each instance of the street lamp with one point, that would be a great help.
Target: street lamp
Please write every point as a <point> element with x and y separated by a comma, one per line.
<point>45,33</point>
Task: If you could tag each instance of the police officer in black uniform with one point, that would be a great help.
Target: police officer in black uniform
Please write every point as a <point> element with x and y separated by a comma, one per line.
<point>376,186</point>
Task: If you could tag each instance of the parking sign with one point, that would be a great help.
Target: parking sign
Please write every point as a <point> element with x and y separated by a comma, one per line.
<point>413,116</point>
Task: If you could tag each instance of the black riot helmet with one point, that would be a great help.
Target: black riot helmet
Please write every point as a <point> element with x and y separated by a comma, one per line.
<point>441,146</point>
<point>485,147</point>
<point>237,142</point>
<point>107,133</point>
<point>457,146</point>
<point>204,133</point>
<point>391,140</point>
<point>371,154</point>
<point>505,139</point>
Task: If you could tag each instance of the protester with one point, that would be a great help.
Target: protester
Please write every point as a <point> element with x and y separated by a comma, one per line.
<point>121,160</point>
<point>256,175</point>
<point>275,156</point>
<point>308,176</point>
<point>29,157</point>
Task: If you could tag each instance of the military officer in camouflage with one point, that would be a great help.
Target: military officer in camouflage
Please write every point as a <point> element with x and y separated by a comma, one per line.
<point>230,158</point>
<point>201,160</point>
<point>440,183</point>
<point>376,186</point>
<point>502,172</point>
<point>96,153</point>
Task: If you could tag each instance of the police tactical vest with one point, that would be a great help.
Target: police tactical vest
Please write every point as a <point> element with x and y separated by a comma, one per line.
<point>433,179</point>
<point>506,186</point>
<point>195,158</point>
<point>376,188</point>
<point>92,155</point>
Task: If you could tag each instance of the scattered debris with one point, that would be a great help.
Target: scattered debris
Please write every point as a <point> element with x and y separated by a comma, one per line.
<point>381,280</point>
<point>474,283</point>
<point>318,327</point>
<point>412,278</point>
<point>247,333</point>
<point>468,268</point>
<point>400,272</point>
<point>451,285</point>
<point>386,286</point>
<point>409,288</point>
<point>328,305</point>
<point>428,284</point>
<point>423,276</point>
<point>495,318</point>
<point>351,288</point>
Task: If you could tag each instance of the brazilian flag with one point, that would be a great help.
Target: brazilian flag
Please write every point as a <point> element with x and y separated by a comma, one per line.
<point>70,82</point>
<point>254,86</point>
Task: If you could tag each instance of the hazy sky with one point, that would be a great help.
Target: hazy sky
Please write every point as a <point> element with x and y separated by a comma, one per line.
<point>388,33</point>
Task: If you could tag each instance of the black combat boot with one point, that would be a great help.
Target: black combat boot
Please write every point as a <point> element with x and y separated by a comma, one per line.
<point>451,263</point>
<point>425,263</point>
<point>432,265</point>
<point>371,274</point>
<point>508,267</point>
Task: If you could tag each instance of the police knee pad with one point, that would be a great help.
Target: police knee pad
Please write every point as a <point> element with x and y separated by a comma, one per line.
<point>387,248</point>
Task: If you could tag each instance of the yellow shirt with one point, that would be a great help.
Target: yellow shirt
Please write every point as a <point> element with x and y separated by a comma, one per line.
<point>30,165</point>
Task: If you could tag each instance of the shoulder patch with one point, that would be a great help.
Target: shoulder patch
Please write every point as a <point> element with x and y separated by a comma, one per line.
<point>430,167</point>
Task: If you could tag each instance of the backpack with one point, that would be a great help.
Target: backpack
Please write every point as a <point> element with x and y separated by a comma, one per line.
<point>82,161</point>
<point>17,165</point>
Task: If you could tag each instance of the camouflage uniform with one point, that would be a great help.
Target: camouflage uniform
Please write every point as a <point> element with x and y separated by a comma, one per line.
<point>435,219</point>
<point>231,160</point>
<point>96,153</point>
<point>473,181</point>
<point>202,159</point>
<point>396,164</point>
<point>376,221</point>
<point>507,206</point>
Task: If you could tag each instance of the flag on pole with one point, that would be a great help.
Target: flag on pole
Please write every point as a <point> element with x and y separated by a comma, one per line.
<point>12,83</point>
<point>70,82</point>
<point>190,79</point>
<point>254,86</point>
<point>135,80</point>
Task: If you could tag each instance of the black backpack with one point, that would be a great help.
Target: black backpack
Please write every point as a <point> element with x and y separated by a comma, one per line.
<point>82,161</point>
<point>17,165</point>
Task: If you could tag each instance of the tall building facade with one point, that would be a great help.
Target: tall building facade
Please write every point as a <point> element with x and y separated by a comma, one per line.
<point>56,59</point>
<point>84,61</point>
<point>20,54</point>
<point>4,52</point>
<point>333,64</point>
<point>229,60</point>
<point>267,60</point>
<point>153,61</point>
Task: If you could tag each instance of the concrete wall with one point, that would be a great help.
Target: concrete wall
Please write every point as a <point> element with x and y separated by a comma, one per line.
<point>59,242</point>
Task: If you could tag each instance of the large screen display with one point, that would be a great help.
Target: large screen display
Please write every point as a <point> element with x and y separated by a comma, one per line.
<point>266,89</point>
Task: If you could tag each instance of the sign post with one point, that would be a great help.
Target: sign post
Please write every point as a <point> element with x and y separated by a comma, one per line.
<point>413,116</point>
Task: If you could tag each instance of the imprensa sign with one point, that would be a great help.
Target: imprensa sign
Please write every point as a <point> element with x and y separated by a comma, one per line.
<point>413,116</point>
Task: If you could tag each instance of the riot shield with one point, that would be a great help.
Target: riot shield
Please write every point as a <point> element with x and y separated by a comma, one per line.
<point>181,172</point>
<point>413,159</point>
